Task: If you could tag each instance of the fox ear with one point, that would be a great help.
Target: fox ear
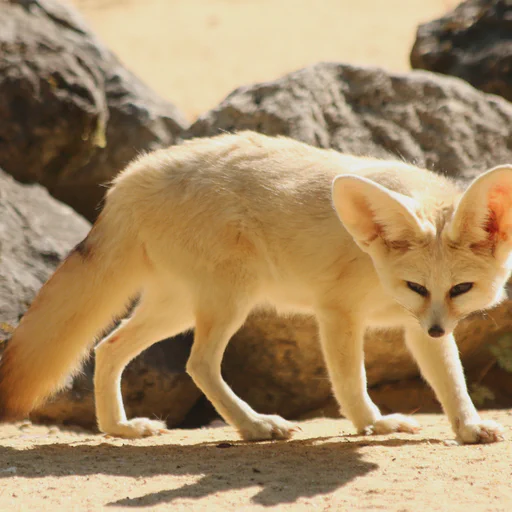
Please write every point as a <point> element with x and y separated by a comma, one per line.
<point>372,212</point>
<point>483,217</point>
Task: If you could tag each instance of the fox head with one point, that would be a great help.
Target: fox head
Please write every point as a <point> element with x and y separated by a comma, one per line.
<point>439,265</point>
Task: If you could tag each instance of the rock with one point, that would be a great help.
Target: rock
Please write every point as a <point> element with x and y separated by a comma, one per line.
<point>72,115</point>
<point>434,121</point>
<point>439,122</point>
<point>276,364</point>
<point>36,233</point>
<point>473,42</point>
<point>489,389</point>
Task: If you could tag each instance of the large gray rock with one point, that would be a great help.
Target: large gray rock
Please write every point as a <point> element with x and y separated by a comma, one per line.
<point>276,364</point>
<point>439,122</point>
<point>434,121</point>
<point>72,114</point>
<point>473,42</point>
<point>36,233</point>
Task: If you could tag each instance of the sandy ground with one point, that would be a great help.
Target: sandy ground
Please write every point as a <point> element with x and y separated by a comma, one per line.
<point>324,468</point>
<point>194,52</point>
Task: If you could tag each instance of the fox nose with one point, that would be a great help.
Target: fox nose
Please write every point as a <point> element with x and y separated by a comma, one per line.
<point>436,331</point>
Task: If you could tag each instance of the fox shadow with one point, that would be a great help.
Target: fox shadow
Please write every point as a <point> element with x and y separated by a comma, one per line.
<point>220,467</point>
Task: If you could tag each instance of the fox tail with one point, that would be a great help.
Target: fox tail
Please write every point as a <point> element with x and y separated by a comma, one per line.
<point>91,286</point>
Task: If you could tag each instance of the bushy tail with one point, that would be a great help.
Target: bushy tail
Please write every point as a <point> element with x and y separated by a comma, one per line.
<point>90,287</point>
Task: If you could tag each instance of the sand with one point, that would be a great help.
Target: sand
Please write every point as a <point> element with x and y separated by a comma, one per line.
<point>325,467</point>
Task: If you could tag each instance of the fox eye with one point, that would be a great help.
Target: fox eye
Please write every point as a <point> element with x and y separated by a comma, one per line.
<point>460,289</point>
<point>418,288</point>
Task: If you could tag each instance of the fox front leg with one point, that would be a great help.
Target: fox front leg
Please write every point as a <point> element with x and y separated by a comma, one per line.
<point>440,364</point>
<point>342,344</point>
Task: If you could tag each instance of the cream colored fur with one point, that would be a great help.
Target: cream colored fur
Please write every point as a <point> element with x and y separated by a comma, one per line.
<point>209,230</point>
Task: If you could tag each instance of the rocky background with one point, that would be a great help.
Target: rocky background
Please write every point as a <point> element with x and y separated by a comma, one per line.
<point>72,116</point>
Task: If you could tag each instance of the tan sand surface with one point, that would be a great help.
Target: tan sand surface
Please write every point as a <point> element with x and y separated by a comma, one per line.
<point>325,467</point>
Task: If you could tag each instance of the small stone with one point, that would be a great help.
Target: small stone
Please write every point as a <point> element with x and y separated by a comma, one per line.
<point>224,445</point>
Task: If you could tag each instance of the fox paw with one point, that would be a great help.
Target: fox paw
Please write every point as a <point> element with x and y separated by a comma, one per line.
<point>136,427</point>
<point>265,427</point>
<point>392,423</point>
<point>483,432</point>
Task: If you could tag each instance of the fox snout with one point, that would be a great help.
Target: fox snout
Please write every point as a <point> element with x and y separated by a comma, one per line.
<point>437,322</point>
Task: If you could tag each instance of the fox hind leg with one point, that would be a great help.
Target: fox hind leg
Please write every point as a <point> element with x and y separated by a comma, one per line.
<point>218,317</point>
<point>154,319</point>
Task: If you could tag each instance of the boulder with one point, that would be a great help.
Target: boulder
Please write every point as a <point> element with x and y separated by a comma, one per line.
<point>36,233</point>
<point>439,122</point>
<point>473,42</point>
<point>276,364</point>
<point>72,114</point>
<point>490,387</point>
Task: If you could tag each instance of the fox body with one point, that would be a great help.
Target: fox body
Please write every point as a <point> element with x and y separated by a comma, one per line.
<point>209,230</point>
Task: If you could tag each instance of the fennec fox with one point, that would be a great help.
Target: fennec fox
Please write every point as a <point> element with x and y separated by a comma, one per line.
<point>211,229</point>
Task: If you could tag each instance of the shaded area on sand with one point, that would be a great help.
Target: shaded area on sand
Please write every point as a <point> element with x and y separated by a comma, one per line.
<point>324,466</point>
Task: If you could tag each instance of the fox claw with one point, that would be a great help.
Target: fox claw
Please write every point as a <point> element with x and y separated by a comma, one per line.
<point>483,432</point>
